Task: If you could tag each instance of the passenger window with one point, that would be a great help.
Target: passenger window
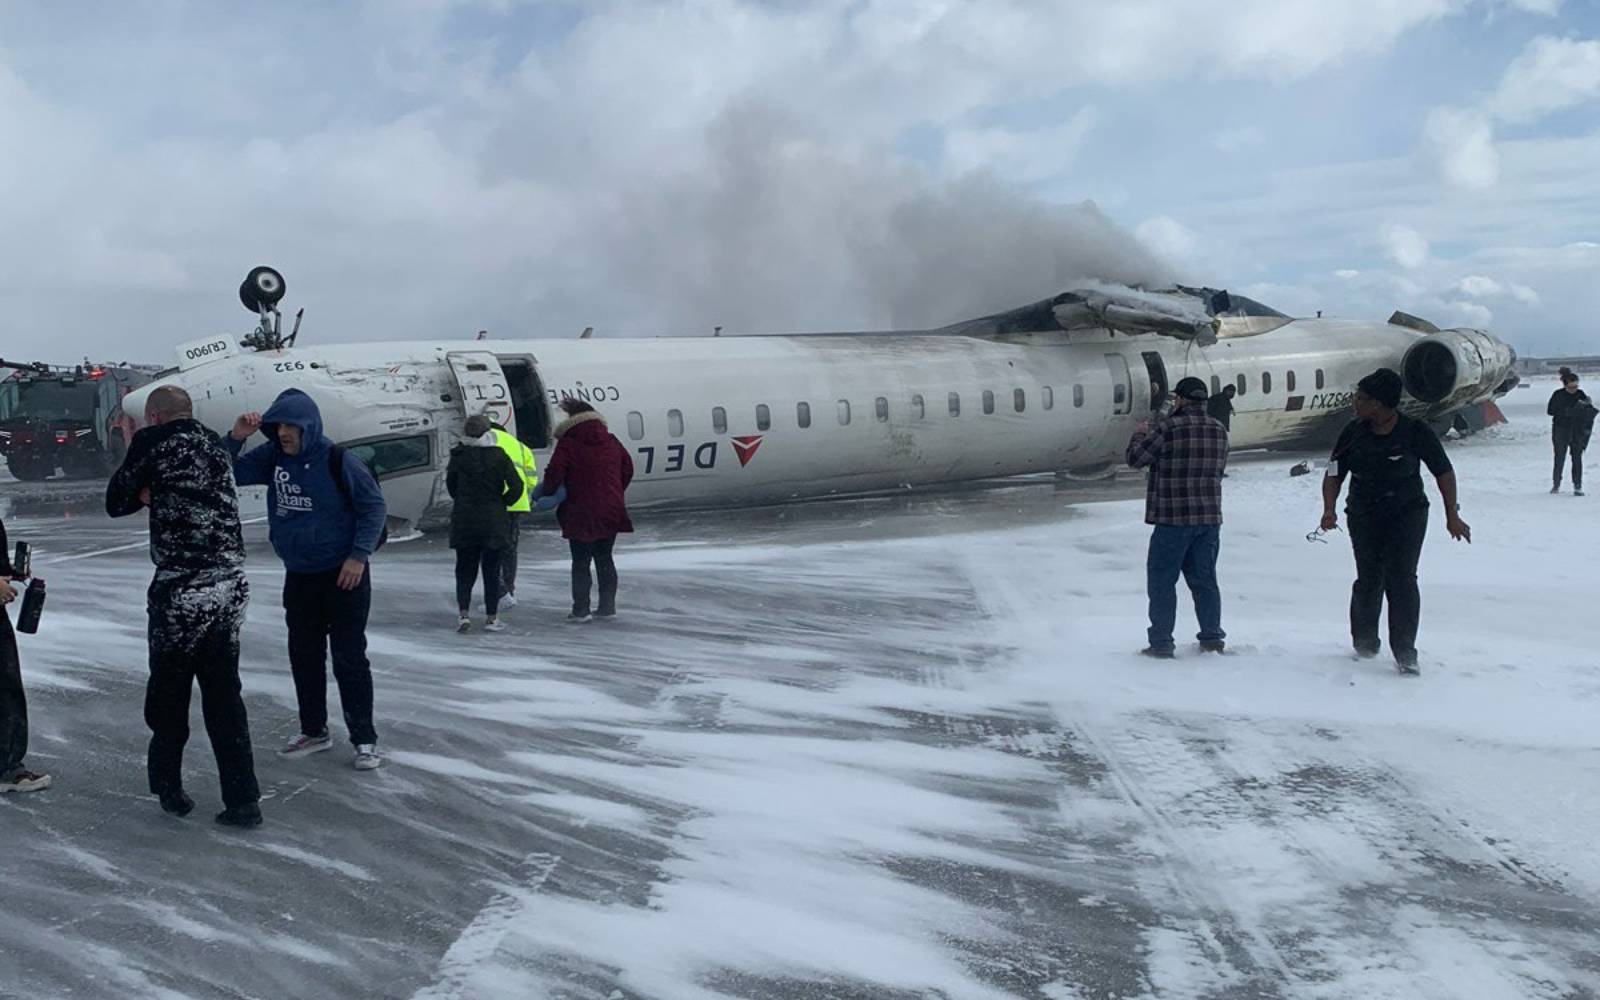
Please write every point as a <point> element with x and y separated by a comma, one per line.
<point>844,412</point>
<point>988,401</point>
<point>763,417</point>
<point>1288,382</point>
<point>635,425</point>
<point>719,420</point>
<point>1077,395</point>
<point>1119,394</point>
<point>675,423</point>
<point>1266,382</point>
<point>1319,378</point>
<point>918,411</point>
<point>1242,385</point>
<point>802,414</point>
<point>395,455</point>
<point>955,404</point>
<point>1049,396</point>
<point>1019,400</point>
<point>1216,386</point>
<point>881,405</point>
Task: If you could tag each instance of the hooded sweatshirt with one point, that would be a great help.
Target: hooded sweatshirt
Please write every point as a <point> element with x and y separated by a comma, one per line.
<point>313,528</point>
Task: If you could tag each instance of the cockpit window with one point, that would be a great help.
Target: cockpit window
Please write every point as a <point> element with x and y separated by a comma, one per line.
<point>390,456</point>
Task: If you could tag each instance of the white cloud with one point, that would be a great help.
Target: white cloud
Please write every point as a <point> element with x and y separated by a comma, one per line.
<point>1168,237</point>
<point>1347,273</point>
<point>1550,75</point>
<point>1477,286</point>
<point>1024,156</point>
<point>1405,246</point>
<point>1460,145</point>
<point>1549,8</point>
<point>1524,294</point>
<point>1472,314</point>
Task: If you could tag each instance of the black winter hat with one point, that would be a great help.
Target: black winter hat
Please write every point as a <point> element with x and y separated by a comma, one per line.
<point>1191,388</point>
<point>1383,385</point>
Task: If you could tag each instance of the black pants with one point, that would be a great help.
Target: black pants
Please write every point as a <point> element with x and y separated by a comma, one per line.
<point>210,656</point>
<point>469,562</point>
<point>600,554</point>
<point>321,617</point>
<point>13,706</point>
<point>508,556</point>
<point>1387,546</point>
<point>1565,440</point>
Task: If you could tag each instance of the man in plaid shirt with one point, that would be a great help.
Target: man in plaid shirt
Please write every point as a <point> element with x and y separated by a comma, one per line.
<point>1186,454</point>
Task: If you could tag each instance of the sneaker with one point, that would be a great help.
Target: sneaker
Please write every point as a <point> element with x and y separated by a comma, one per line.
<point>302,745</point>
<point>1407,664</point>
<point>1577,491</point>
<point>508,601</point>
<point>1556,488</point>
<point>1156,653</point>
<point>1213,646</point>
<point>576,618</point>
<point>177,802</point>
<point>464,625</point>
<point>244,817</point>
<point>367,757</point>
<point>494,625</point>
<point>606,616</point>
<point>1367,652</point>
<point>23,780</point>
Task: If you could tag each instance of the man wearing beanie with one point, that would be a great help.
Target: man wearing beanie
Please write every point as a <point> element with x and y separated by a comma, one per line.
<point>1383,452</point>
<point>1186,454</point>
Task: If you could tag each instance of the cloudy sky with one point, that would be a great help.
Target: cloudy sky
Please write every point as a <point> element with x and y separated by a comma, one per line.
<point>429,168</point>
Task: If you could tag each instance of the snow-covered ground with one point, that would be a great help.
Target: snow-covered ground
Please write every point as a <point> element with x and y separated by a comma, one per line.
<point>877,749</point>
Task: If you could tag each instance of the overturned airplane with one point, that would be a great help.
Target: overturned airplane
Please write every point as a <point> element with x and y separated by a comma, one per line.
<point>1054,386</point>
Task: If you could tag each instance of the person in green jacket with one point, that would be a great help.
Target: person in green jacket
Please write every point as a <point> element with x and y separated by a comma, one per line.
<point>522,459</point>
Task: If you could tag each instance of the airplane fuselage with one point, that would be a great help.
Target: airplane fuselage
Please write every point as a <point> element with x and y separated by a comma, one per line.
<point>750,420</point>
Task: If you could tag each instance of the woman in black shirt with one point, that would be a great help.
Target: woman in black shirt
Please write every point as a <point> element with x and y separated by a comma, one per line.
<point>1387,513</point>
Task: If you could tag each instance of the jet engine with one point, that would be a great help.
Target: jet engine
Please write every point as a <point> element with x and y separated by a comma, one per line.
<point>1448,369</point>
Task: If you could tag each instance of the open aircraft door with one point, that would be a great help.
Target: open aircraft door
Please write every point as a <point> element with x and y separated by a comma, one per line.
<point>483,387</point>
<point>1121,385</point>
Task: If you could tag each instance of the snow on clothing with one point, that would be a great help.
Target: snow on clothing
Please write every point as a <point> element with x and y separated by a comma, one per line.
<point>312,526</point>
<point>482,484</point>
<point>596,469</point>
<point>1186,454</point>
<point>13,704</point>
<point>196,602</point>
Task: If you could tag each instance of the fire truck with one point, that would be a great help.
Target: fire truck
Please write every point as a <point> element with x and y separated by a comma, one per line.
<point>66,419</point>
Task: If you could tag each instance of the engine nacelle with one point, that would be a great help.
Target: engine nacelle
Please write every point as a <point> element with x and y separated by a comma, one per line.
<point>1454,368</point>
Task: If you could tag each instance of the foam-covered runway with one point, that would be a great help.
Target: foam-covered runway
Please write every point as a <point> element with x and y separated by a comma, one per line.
<point>866,749</point>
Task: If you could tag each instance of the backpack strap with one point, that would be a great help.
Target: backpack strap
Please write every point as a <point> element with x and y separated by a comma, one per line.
<point>336,470</point>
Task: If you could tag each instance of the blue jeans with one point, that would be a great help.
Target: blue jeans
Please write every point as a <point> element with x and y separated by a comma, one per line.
<point>1192,551</point>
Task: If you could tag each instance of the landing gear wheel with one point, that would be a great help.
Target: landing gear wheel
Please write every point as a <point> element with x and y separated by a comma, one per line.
<point>263,286</point>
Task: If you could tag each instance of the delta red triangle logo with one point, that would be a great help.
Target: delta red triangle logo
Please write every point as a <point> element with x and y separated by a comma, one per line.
<point>745,448</point>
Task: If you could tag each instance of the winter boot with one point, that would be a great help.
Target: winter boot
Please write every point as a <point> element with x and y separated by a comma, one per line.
<point>244,817</point>
<point>177,802</point>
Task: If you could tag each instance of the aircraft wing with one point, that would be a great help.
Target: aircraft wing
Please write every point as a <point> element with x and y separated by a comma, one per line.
<point>1187,314</point>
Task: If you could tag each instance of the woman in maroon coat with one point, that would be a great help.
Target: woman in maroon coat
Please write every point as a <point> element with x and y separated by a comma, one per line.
<point>596,469</point>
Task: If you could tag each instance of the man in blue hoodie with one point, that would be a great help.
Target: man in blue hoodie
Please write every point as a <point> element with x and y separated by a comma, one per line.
<point>324,529</point>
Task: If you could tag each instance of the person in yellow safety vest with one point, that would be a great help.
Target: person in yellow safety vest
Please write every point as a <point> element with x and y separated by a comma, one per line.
<point>522,458</point>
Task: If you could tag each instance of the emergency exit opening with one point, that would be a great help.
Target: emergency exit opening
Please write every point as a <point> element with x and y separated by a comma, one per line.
<point>527,401</point>
<point>1158,378</point>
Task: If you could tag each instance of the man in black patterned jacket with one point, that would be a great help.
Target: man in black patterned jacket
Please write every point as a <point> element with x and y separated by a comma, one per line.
<point>179,469</point>
<point>1187,454</point>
